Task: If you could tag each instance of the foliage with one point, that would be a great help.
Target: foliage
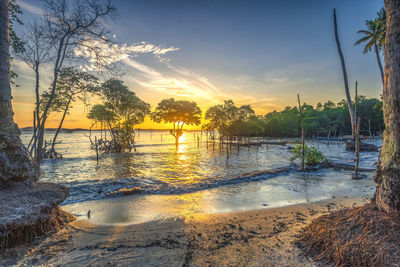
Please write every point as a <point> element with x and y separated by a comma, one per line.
<point>177,112</point>
<point>325,119</point>
<point>312,156</point>
<point>72,85</point>
<point>231,121</point>
<point>374,35</point>
<point>120,112</point>
<point>16,44</point>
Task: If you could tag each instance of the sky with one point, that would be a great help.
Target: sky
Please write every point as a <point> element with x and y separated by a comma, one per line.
<point>261,53</point>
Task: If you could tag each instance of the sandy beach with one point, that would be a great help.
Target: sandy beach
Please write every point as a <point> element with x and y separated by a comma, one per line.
<point>252,238</point>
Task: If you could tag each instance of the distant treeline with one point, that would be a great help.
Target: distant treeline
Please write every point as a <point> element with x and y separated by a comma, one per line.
<point>323,120</point>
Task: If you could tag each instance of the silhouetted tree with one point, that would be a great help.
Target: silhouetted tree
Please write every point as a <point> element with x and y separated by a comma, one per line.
<point>374,37</point>
<point>121,111</point>
<point>177,112</point>
<point>72,85</point>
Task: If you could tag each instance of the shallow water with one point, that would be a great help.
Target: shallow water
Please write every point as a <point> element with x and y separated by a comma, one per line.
<point>157,167</point>
<point>286,190</point>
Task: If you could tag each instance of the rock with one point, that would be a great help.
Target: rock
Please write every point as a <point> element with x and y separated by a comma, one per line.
<point>28,211</point>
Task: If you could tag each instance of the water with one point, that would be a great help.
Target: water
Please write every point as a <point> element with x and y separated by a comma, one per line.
<point>159,168</point>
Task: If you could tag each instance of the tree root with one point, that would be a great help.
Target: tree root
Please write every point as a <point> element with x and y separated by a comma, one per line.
<point>16,234</point>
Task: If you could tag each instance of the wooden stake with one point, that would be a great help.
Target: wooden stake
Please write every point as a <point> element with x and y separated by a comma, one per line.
<point>97,150</point>
<point>302,134</point>
<point>357,146</point>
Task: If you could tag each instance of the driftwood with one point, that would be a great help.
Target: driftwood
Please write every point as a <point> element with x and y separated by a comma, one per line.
<point>259,143</point>
<point>351,146</point>
<point>343,166</point>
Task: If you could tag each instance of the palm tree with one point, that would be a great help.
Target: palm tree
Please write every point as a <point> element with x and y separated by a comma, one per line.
<point>15,163</point>
<point>374,37</point>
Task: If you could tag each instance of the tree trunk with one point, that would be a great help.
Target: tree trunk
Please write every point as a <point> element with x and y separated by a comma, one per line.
<point>42,125</point>
<point>37,113</point>
<point>37,101</point>
<point>60,125</point>
<point>387,195</point>
<point>346,83</point>
<point>378,58</point>
<point>15,163</point>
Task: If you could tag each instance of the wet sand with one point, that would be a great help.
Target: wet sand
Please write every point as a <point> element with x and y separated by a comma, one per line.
<point>251,238</point>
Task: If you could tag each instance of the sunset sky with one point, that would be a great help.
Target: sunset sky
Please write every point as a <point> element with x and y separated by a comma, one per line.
<point>260,53</point>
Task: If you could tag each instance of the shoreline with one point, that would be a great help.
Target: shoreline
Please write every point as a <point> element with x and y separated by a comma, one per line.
<point>256,237</point>
<point>242,197</point>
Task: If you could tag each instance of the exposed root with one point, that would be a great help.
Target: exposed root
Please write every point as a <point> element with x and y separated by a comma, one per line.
<point>15,234</point>
<point>362,236</point>
<point>52,154</point>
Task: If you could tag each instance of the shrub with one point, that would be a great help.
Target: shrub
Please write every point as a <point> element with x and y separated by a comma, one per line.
<point>312,156</point>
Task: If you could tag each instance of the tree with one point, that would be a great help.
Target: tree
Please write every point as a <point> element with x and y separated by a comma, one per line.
<point>374,37</point>
<point>346,83</point>
<point>35,53</point>
<point>72,85</point>
<point>70,25</point>
<point>387,196</point>
<point>229,120</point>
<point>15,163</point>
<point>177,112</point>
<point>121,111</point>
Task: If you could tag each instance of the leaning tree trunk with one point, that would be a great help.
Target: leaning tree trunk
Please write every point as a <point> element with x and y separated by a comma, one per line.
<point>378,58</point>
<point>15,163</point>
<point>387,196</point>
<point>60,125</point>
<point>346,83</point>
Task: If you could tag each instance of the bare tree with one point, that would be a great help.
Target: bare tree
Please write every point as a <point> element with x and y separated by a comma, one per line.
<point>69,25</point>
<point>15,163</point>
<point>35,54</point>
<point>346,83</point>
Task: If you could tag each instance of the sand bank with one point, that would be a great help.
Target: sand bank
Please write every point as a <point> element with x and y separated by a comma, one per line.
<point>252,238</point>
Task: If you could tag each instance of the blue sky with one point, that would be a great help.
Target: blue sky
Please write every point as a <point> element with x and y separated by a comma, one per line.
<point>256,52</point>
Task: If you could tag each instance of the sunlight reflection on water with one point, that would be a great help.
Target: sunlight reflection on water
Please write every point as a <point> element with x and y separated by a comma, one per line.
<point>158,167</point>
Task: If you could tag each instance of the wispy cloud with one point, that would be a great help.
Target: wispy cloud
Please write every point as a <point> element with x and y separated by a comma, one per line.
<point>30,8</point>
<point>164,77</point>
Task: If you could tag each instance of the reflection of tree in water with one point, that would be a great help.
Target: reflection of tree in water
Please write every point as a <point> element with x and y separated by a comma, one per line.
<point>305,182</point>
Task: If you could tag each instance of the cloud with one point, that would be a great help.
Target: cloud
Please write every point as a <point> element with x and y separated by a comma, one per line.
<point>30,8</point>
<point>97,51</point>
<point>142,68</point>
<point>161,76</point>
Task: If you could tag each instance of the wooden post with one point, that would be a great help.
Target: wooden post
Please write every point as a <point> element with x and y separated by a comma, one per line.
<point>357,146</point>
<point>302,134</point>
<point>329,137</point>
<point>97,150</point>
<point>357,134</point>
<point>355,106</point>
